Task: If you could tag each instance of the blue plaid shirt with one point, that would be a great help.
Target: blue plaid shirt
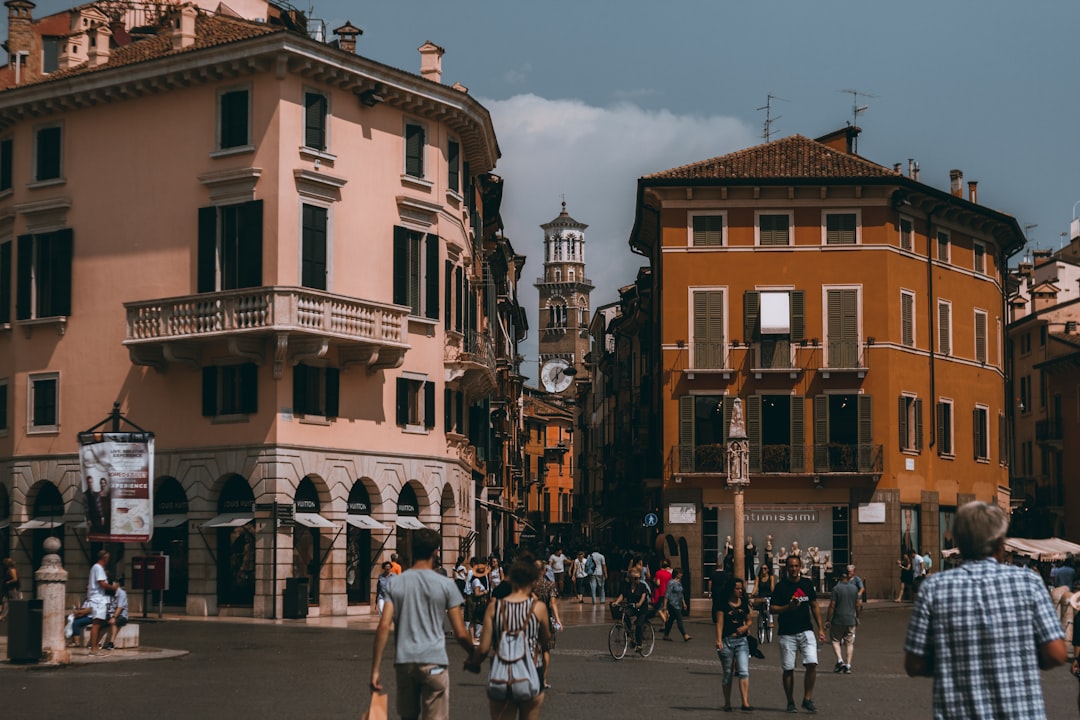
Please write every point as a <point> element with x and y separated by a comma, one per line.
<point>979,627</point>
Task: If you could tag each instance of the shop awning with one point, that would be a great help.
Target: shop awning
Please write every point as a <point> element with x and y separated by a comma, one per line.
<point>365,522</point>
<point>42,523</point>
<point>409,523</point>
<point>1043,549</point>
<point>313,520</point>
<point>229,520</point>
<point>169,521</point>
<point>495,506</point>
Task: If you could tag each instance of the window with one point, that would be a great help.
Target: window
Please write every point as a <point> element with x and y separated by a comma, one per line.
<point>50,54</point>
<point>1025,343</point>
<point>980,336</point>
<point>5,283</point>
<point>1025,393</point>
<point>842,324</point>
<point>414,150</point>
<point>709,329</point>
<point>911,423</point>
<point>6,149</point>
<point>980,258</point>
<point>841,228</point>
<point>44,401</point>
<point>316,108</point>
<point>943,246</point>
<point>415,402</point>
<point>981,432</point>
<point>703,425</point>
<point>230,247</point>
<point>416,271</point>
<point>44,275</point>
<point>944,308</point>
<point>313,261</point>
<point>47,153</point>
<point>774,229</point>
<point>907,318</point>
<point>945,428</point>
<point>557,314</point>
<point>907,234</point>
<point>1042,336</point>
<point>230,390</point>
<point>843,433</point>
<point>315,391</point>
<point>234,126</point>
<point>772,321</point>
<point>707,230</point>
<point>3,407</point>
<point>453,165</point>
<point>775,427</point>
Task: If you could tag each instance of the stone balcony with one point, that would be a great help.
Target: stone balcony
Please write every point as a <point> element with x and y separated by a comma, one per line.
<point>469,357</point>
<point>290,323</point>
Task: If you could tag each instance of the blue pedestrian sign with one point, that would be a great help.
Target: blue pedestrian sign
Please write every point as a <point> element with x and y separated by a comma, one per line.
<point>651,520</point>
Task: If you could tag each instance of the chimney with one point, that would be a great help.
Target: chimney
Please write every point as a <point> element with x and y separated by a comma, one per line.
<point>911,168</point>
<point>896,168</point>
<point>842,140</point>
<point>347,35</point>
<point>183,27</point>
<point>71,52</point>
<point>956,181</point>
<point>99,45</point>
<point>20,42</point>
<point>973,191</point>
<point>431,61</point>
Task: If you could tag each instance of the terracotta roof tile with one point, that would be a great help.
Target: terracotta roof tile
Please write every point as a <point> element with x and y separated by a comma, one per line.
<point>789,158</point>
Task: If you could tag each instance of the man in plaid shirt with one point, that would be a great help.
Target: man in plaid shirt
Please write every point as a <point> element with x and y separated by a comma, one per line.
<point>983,629</point>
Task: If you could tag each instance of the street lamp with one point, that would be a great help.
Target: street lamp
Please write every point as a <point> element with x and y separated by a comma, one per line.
<point>738,479</point>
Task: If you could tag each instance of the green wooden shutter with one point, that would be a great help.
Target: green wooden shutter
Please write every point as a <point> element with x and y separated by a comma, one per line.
<point>980,337</point>
<point>729,407</point>
<point>401,265</point>
<point>751,316</point>
<point>821,433</point>
<point>209,391</point>
<point>5,282</point>
<point>429,404</point>
<point>866,433</point>
<point>977,433</point>
<point>942,436</point>
<point>902,422</point>
<point>918,425</point>
<point>250,251</point>
<point>414,151</point>
<point>798,315</point>
<point>25,273</point>
<point>944,316</point>
<point>798,434</point>
<point>840,229</point>
<point>907,320</point>
<point>299,389</point>
<point>686,433</point>
<point>207,251</point>
<point>333,392</point>
<point>708,329</point>
<point>708,230</point>
<point>60,257</point>
<point>315,106</point>
<point>249,388</point>
<point>431,276</point>
<point>402,401</point>
<point>753,431</point>
<point>453,163</point>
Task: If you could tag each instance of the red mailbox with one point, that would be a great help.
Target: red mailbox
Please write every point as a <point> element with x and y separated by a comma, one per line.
<point>150,572</point>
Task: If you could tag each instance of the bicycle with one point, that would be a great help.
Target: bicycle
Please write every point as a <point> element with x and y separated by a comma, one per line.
<point>621,634</point>
<point>765,627</point>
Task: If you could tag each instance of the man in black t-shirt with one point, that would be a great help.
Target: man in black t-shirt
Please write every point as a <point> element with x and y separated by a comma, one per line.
<point>794,603</point>
<point>718,580</point>
<point>636,596</point>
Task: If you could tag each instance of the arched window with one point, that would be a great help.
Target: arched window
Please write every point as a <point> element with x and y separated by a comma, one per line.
<point>236,543</point>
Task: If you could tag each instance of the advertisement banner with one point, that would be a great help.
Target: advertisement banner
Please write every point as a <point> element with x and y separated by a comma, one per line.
<point>117,485</point>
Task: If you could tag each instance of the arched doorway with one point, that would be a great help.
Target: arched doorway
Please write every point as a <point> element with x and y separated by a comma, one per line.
<point>47,521</point>
<point>235,543</point>
<point>408,519</point>
<point>307,540</point>
<point>358,550</point>
<point>171,536</point>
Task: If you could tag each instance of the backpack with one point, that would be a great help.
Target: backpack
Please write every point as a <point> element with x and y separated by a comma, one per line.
<point>514,675</point>
<point>590,566</point>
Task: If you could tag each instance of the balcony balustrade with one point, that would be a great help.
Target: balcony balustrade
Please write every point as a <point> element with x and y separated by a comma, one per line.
<point>828,458</point>
<point>470,358</point>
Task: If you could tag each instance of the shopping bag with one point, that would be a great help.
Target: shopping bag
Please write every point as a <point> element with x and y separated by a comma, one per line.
<point>377,709</point>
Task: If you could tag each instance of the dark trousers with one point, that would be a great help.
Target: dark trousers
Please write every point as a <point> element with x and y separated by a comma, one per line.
<point>674,618</point>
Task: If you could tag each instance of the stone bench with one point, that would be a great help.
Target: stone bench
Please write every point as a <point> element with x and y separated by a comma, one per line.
<point>127,638</point>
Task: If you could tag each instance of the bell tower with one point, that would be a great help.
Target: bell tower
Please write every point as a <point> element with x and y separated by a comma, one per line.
<point>564,304</point>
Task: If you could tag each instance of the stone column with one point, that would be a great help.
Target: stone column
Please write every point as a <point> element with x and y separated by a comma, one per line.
<point>51,580</point>
<point>738,479</point>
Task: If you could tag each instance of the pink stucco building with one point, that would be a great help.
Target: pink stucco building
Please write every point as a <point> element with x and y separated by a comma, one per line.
<point>281,257</point>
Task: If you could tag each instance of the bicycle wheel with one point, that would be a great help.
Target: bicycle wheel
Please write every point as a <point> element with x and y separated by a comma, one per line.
<point>616,641</point>
<point>648,640</point>
<point>769,629</point>
<point>762,629</point>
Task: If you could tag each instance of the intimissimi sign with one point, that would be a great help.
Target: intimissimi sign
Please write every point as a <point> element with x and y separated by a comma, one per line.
<point>782,515</point>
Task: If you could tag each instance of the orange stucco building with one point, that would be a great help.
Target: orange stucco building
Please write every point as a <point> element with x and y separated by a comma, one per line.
<point>857,314</point>
<point>281,257</point>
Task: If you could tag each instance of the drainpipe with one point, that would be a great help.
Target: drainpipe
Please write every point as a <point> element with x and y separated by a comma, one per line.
<point>931,308</point>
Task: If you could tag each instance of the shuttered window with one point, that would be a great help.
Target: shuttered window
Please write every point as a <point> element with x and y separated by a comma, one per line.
<point>230,390</point>
<point>843,327</point>
<point>907,234</point>
<point>708,230</point>
<point>48,157</point>
<point>415,403</point>
<point>709,329</point>
<point>416,271</point>
<point>840,228</point>
<point>944,428</point>
<point>907,319</point>
<point>5,282</point>
<point>414,150</point>
<point>944,327</point>
<point>980,258</point>
<point>316,390</point>
<point>43,275</point>
<point>910,423</point>
<point>313,266</point>
<point>233,121</point>
<point>943,246</point>
<point>980,336</point>
<point>703,426</point>
<point>981,433</point>
<point>316,107</point>
<point>774,229</point>
<point>453,162</point>
<point>230,247</point>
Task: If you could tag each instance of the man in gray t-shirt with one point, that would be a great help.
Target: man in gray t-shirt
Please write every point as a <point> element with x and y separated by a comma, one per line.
<point>418,600</point>
<point>841,619</point>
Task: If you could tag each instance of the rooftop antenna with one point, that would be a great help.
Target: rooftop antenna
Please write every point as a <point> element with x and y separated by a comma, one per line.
<point>766,132</point>
<point>856,110</point>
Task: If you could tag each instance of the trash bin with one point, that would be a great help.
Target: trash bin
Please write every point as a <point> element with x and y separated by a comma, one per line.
<point>294,600</point>
<point>24,630</point>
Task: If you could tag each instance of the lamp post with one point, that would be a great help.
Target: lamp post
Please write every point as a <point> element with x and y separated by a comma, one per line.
<point>738,479</point>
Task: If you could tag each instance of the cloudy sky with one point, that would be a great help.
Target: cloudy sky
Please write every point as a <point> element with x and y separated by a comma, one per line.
<point>587,96</point>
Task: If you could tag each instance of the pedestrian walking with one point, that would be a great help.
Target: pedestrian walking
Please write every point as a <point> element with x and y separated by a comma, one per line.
<point>461,574</point>
<point>419,599</point>
<point>10,590</point>
<point>598,574</point>
<point>382,586</point>
<point>558,566</point>
<point>98,590</point>
<point>794,604</point>
<point>732,628</point>
<point>984,629</point>
<point>547,592</point>
<point>674,603</point>
<point>581,575</point>
<point>906,577</point>
<point>841,619</point>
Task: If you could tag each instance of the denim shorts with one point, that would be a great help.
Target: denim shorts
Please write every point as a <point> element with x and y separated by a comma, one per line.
<point>806,645</point>
<point>735,657</point>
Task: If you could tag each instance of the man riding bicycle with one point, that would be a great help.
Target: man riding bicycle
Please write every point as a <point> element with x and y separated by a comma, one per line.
<point>634,596</point>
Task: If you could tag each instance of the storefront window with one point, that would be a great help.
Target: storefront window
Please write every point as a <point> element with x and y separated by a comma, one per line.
<point>909,529</point>
<point>236,545</point>
<point>306,540</point>
<point>171,536</point>
<point>358,546</point>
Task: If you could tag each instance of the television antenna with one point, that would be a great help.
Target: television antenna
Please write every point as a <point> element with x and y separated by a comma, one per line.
<point>766,132</point>
<point>856,110</point>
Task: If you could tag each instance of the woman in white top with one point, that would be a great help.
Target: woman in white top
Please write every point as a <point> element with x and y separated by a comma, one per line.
<point>581,575</point>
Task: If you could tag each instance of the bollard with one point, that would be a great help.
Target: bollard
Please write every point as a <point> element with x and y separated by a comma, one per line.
<point>51,580</point>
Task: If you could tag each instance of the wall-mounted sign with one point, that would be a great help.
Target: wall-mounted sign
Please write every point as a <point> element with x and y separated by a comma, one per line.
<point>682,514</point>
<point>872,512</point>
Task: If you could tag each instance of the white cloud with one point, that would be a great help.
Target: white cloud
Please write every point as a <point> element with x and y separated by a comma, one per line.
<point>594,156</point>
